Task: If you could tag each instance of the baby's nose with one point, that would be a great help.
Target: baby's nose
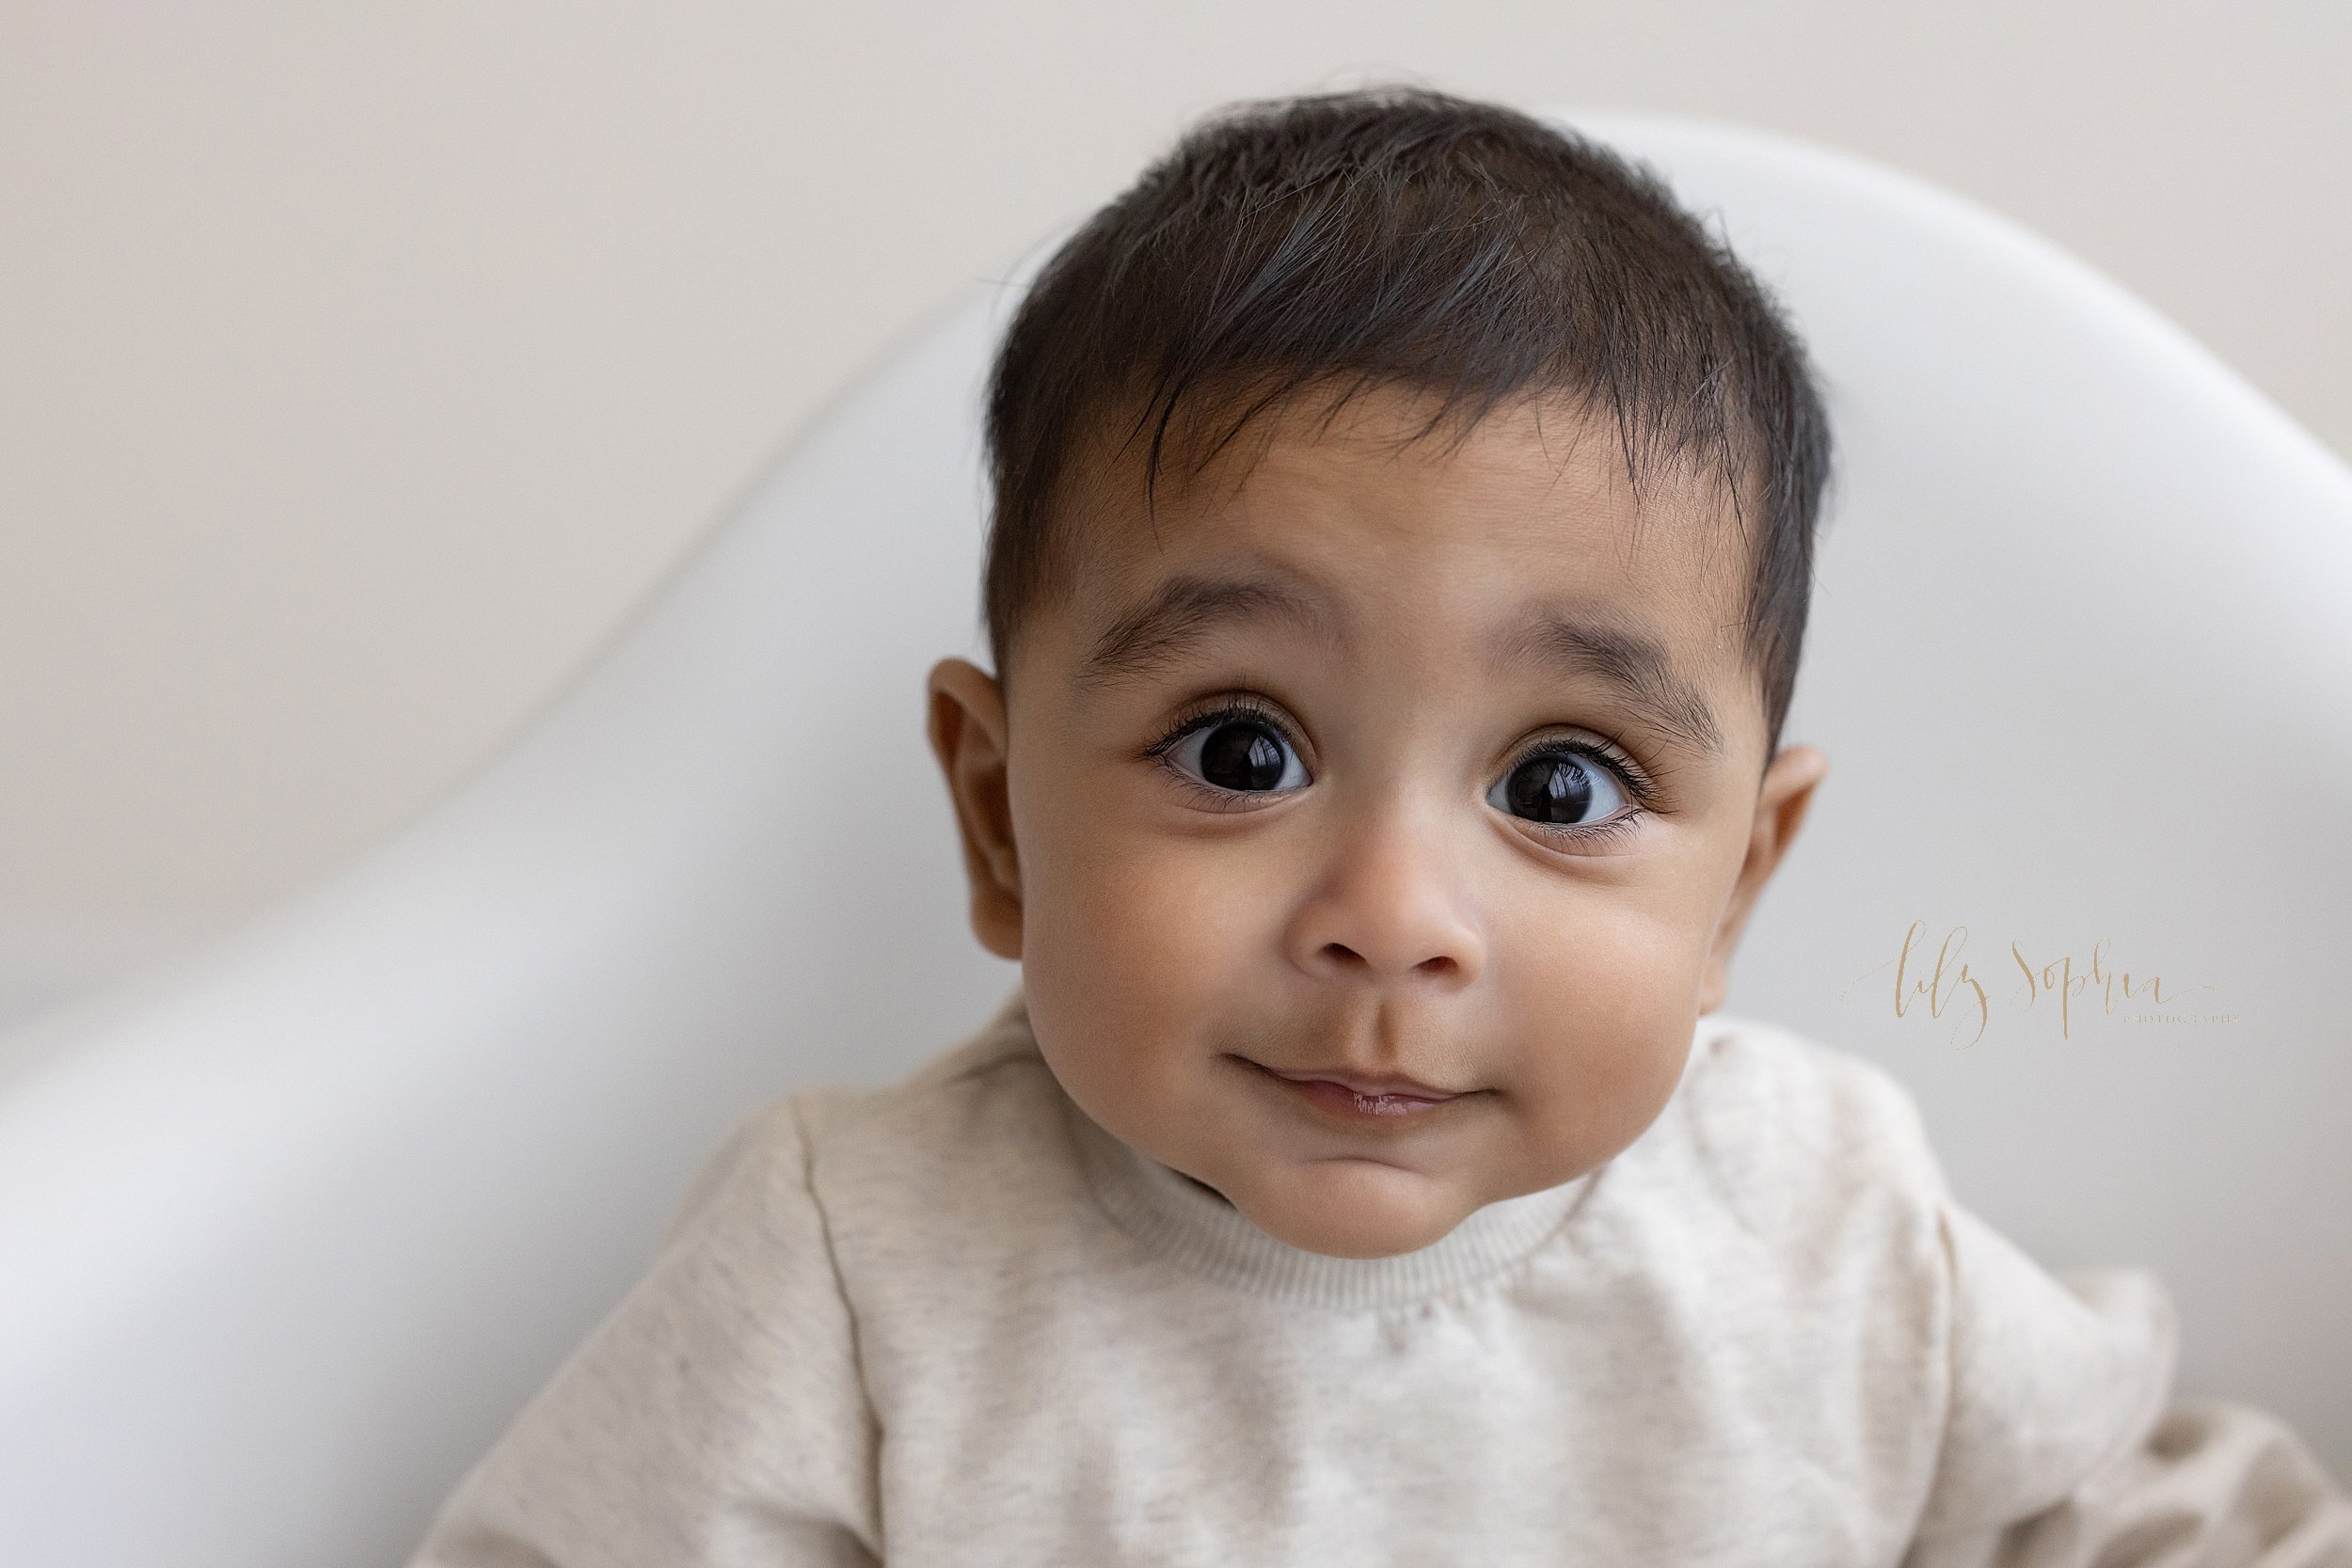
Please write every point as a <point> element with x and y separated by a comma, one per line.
<point>1390,905</point>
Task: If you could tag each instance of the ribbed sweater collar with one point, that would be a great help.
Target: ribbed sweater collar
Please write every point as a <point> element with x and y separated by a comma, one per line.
<point>1169,1216</point>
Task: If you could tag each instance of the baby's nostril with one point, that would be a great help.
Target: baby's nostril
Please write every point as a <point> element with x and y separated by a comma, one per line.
<point>1342,954</point>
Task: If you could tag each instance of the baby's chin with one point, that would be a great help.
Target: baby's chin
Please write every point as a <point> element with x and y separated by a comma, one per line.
<point>1351,1207</point>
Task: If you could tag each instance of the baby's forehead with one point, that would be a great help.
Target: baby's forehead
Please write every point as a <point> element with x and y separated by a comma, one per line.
<point>1375,494</point>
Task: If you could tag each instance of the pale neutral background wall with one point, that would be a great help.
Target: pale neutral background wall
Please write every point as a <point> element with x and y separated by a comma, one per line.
<point>361,367</point>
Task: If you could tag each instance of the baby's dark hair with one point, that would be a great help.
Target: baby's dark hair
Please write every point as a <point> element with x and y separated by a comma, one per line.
<point>1396,235</point>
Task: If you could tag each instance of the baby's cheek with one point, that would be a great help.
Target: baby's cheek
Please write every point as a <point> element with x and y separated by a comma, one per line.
<point>1133,952</point>
<point>1603,1006</point>
<point>1145,933</point>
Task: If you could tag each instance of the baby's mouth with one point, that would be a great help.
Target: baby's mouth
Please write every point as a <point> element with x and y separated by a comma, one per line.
<point>1355,1094</point>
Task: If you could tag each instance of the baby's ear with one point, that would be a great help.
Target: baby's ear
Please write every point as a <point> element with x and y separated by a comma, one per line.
<point>1781,803</point>
<point>968,735</point>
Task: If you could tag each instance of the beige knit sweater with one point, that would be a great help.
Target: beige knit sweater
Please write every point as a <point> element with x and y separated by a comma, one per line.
<point>954,1322</point>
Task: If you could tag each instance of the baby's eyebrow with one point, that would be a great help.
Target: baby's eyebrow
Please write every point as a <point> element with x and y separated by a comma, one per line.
<point>1186,609</point>
<point>1630,661</point>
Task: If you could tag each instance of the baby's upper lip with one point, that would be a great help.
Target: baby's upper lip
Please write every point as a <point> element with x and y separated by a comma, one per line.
<point>1365,1082</point>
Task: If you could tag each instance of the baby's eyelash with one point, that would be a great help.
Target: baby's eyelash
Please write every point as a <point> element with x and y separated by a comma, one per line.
<point>1639,786</point>
<point>1226,710</point>
<point>1605,832</point>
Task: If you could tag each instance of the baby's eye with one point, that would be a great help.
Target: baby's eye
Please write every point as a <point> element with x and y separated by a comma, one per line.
<point>1561,788</point>
<point>1248,757</point>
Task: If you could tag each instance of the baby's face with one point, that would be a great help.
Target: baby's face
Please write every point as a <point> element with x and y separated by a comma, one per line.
<point>1373,835</point>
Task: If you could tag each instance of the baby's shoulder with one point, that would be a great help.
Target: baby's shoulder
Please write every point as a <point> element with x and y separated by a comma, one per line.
<point>1788,1130</point>
<point>975,1124</point>
<point>1815,1100</point>
<point>983,1100</point>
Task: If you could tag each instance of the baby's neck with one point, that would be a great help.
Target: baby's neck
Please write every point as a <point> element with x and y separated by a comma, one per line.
<point>1211,1191</point>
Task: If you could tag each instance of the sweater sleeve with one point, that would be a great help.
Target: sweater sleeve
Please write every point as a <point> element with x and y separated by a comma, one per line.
<point>715,1419</point>
<point>2214,1483</point>
<point>2061,1450</point>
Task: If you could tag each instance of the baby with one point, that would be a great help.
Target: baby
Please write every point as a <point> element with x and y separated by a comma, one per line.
<point>1400,552</point>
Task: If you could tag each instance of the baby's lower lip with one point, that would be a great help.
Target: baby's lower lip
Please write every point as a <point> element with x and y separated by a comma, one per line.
<point>1342,1101</point>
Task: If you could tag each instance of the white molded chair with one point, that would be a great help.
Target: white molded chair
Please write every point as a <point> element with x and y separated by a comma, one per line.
<point>288,1230</point>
